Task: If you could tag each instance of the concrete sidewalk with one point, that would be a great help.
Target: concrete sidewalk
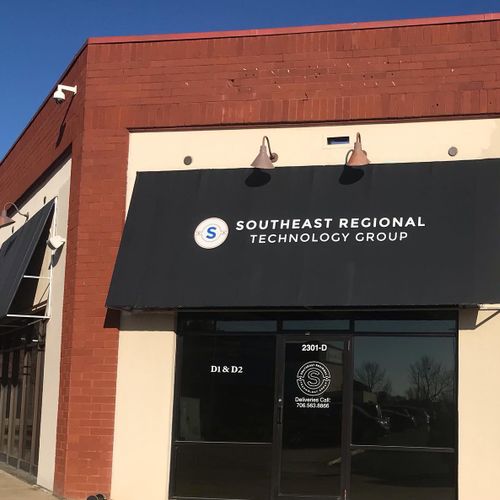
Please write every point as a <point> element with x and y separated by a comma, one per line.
<point>12,488</point>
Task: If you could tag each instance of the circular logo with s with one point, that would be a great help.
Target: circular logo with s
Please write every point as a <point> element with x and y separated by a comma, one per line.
<point>211,233</point>
<point>313,378</point>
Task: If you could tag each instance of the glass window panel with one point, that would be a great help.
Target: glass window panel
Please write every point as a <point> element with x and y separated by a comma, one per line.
<point>398,475</point>
<point>30,373</point>
<point>197,325</point>
<point>222,471</point>
<point>227,388</point>
<point>404,391</point>
<point>246,326</point>
<point>406,326</point>
<point>316,324</point>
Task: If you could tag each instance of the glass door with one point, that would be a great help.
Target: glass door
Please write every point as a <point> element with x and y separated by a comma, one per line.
<point>311,418</point>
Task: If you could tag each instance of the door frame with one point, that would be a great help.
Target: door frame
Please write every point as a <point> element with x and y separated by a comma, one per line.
<point>282,338</point>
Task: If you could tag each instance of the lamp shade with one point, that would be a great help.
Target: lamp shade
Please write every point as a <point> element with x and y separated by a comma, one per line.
<point>5,220</point>
<point>359,157</point>
<point>265,158</point>
<point>262,160</point>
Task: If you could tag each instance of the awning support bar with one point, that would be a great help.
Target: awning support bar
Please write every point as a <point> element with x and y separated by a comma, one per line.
<point>26,316</point>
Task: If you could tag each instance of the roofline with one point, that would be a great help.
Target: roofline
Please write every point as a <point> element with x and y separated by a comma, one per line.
<point>399,23</point>
<point>424,21</point>
<point>49,96</point>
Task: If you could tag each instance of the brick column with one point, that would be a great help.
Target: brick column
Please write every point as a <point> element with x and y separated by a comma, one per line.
<point>89,349</point>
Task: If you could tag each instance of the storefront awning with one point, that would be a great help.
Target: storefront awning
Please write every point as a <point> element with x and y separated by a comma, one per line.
<point>16,254</point>
<point>414,234</point>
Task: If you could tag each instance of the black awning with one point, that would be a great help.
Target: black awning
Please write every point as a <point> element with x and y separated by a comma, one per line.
<point>16,253</point>
<point>413,234</point>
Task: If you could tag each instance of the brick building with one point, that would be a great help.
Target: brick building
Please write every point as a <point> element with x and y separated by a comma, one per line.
<point>109,416</point>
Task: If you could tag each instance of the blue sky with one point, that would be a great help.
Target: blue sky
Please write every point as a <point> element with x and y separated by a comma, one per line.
<point>38,38</point>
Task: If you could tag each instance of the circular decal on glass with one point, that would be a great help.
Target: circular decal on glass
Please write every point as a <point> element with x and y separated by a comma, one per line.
<point>211,233</point>
<point>313,378</point>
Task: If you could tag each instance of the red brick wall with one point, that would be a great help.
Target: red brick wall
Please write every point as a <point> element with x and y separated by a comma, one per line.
<point>414,72</point>
<point>406,72</point>
<point>89,351</point>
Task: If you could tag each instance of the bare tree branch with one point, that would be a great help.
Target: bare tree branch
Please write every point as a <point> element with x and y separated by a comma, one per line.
<point>373,376</point>
<point>430,381</point>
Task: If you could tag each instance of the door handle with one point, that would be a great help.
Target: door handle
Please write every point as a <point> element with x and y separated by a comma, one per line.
<point>280,411</point>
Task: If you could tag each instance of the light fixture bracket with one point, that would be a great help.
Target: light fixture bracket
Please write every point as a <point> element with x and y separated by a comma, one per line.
<point>5,220</point>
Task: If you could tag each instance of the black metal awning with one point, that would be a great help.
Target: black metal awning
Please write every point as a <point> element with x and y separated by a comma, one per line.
<point>16,254</point>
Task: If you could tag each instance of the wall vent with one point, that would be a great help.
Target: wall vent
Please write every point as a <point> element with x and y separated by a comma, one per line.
<point>340,139</point>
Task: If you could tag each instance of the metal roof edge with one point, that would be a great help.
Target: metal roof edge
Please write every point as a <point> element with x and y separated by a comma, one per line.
<point>425,21</point>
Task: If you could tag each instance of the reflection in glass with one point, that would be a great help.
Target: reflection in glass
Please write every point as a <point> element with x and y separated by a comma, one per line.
<point>312,418</point>
<point>21,371</point>
<point>197,325</point>
<point>207,325</point>
<point>402,475</point>
<point>227,388</point>
<point>226,470</point>
<point>316,324</point>
<point>406,326</point>
<point>246,326</point>
<point>404,391</point>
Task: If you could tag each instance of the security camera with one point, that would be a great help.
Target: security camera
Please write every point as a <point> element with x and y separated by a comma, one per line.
<point>59,96</point>
<point>55,242</point>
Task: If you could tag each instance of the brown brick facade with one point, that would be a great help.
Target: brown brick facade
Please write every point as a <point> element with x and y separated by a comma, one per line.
<point>288,77</point>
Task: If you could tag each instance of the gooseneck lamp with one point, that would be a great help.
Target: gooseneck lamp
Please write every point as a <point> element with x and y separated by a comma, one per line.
<point>358,158</point>
<point>7,221</point>
<point>265,159</point>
